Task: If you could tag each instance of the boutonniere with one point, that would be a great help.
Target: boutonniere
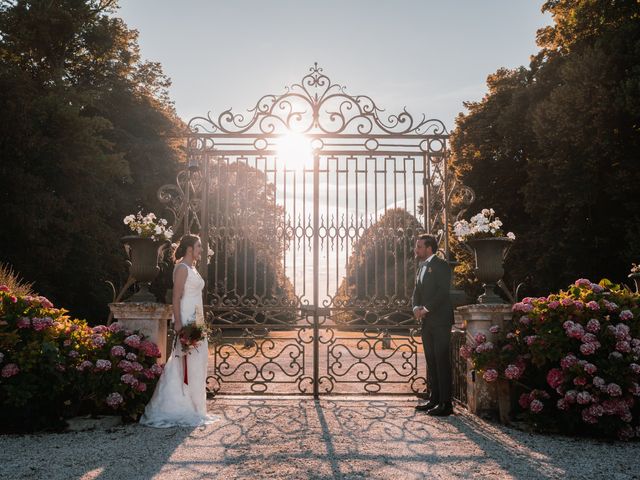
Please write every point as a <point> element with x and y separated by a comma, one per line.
<point>429,270</point>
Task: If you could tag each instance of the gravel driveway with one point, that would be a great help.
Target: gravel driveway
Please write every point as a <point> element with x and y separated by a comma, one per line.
<point>292,438</point>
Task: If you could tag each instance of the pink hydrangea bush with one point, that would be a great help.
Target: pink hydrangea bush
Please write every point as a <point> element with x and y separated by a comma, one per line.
<point>52,365</point>
<point>574,358</point>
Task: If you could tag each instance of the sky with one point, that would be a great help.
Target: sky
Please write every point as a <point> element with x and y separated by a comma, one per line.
<point>428,56</point>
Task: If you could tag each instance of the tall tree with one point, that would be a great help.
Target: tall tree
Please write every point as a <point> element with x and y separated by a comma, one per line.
<point>86,126</point>
<point>553,147</point>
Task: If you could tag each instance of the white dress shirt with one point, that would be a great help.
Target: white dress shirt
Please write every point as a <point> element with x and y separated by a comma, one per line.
<point>420,276</point>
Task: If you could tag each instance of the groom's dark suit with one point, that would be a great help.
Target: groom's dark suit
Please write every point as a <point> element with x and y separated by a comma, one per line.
<point>432,292</point>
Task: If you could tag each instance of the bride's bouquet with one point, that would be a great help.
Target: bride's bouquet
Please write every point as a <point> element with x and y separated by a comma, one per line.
<point>189,337</point>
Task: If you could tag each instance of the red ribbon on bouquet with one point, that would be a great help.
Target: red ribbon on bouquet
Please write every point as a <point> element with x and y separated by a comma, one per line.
<point>186,371</point>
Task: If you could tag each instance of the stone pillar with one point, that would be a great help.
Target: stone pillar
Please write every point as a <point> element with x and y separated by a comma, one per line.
<point>483,397</point>
<point>149,318</point>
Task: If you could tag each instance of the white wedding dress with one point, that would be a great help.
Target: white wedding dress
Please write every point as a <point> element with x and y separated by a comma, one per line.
<point>175,403</point>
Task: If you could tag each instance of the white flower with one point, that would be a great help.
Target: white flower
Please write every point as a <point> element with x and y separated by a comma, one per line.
<point>486,212</point>
<point>158,230</point>
<point>128,219</point>
<point>511,236</point>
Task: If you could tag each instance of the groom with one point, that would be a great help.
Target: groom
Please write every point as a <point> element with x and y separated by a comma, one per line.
<point>431,304</point>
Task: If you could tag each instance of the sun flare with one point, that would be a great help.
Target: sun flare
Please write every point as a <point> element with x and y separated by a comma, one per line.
<point>294,149</point>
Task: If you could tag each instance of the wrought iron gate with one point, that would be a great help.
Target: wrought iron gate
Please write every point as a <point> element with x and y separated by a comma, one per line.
<point>312,203</point>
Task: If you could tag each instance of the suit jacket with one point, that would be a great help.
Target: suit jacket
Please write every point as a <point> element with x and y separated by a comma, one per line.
<point>433,292</point>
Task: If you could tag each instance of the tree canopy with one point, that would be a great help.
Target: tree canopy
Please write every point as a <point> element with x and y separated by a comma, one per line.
<point>553,147</point>
<point>87,139</point>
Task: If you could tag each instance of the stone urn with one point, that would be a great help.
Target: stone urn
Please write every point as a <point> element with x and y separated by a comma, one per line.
<point>143,256</point>
<point>489,254</point>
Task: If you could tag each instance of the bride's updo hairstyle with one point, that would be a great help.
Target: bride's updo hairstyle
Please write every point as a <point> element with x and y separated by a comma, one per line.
<point>186,241</point>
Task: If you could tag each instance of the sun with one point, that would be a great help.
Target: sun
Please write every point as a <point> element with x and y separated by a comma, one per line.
<point>295,151</point>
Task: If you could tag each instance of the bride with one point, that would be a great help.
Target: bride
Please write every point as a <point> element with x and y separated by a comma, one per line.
<point>174,402</point>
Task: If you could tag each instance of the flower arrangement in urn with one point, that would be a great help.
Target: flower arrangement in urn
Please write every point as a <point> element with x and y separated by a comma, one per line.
<point>484,238</point>
<point>572,358</point>
<point>149,226</point>
<point>482,225</point>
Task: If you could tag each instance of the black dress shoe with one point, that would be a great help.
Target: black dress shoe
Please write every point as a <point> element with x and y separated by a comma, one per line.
<point>425,407</point>
<point>442,410</point>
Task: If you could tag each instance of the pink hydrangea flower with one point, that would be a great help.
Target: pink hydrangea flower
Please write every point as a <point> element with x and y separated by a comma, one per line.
<point>589,338</point>
<point>132,357</point>
<point>571,396</point>
<point>530,339</point>
<point>610,306</point>
<point>568,361</point>
<point>480,338</point>
<point>132,341</point>
<point>98,341</point>
<point>149,349</point>
<point>566,302</point>
<point>590,368</point>
<point>623,346</point>
<point>484,347</point>
<point>614,390</point>
<point>555,377</point>
<point>578,304</point>
<point>125,365</point>
<point>522,307</point>
<point>576,331</point>
<point>587,418</point>
<point>524,400</point>
<point>635,368</point>
<point>524,320</point>
<point>114,400</point>
<point>140,386</point>
<point>40,324</point>
<point>593,325</point>
<point>118,351</point>
<point>136,367</point>
<point>596,288</point>
<point>103,365</point>
<point>494,329</point>
<point>553,304</point>
<point>511,335</point>
<point>512,372</point>
<point>599,382</point>
<point>156,369</point>
<point>536,406</point>
<point>593,305</point>
<point>115,327</point>
<point>583,398</point>
<point>491,375</point>
<point>562,404</point>
<point>24,322</point>
<point>588,348</point>
<point>100,329</point>
<point>44,301</point>
<point>626,315</point>
<point>86,364</point>
<point>73,354</point>
<point>465,351</point>
<point>9,370</point>
<point>128,379</point>
<point>582,282</point>
<point>579,381</point>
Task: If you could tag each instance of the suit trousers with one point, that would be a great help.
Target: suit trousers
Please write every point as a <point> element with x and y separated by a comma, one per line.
<point>436,341</point>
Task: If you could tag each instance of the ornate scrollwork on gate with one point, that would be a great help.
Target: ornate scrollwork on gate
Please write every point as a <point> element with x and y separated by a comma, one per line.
<point>316,104</point>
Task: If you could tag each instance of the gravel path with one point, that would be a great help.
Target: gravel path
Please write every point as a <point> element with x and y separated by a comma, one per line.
<point>289,438</point>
